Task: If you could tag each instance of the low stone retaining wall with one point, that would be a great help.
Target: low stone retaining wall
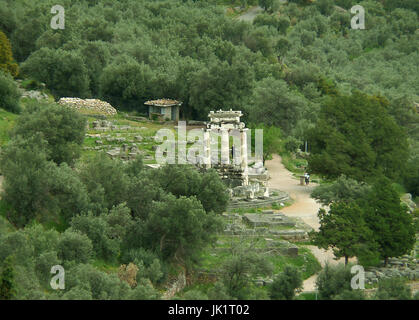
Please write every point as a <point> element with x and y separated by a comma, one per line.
<point>258,203</point>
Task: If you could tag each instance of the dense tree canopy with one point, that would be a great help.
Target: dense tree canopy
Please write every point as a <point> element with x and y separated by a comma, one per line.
<point>357,137</point>
<point>62,128</point>
<point>193,52</point>
<point>298,71</point>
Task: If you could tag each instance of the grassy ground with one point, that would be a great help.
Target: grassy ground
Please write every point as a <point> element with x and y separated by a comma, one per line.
<point>105,266</point>
<point>146,129</point>
<point>307,296</point>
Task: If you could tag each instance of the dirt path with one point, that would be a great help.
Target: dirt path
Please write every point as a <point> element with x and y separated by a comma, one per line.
<point>304,207</point>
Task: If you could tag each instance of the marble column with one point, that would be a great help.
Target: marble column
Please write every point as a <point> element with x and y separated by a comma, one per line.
<point>243,155</point>
<point>225,146</point>
<point>207,149</point>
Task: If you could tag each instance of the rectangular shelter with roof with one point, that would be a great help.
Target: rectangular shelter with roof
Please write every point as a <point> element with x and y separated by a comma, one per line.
<point>163,109</point>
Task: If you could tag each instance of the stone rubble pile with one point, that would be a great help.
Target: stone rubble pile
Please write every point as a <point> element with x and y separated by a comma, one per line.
<point>239,225</point>
<point>34,94</point>
<point>405,267</point>
<point>90,104</point>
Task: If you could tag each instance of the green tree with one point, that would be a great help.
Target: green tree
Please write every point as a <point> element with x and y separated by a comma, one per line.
<point>64,72</point>
<point>342,190</point>
<point>275,105</point>
<point>127,82</point>
<point>333,280</point>
<point>41,238</point>
<point>266,20</point>
<point>271,140</point>
<point>218,292</point>
<point>213,192</point>
<point>343,229</point>
<point>178,228</point>
<point>357,137</point>
<point>7,280</point>
<point>7,64</point>
<point>119,221</point>
<point>96,56</point>
<point>28,30</point>
<point>411,178</point>
<point>392,227</point>
<point>326,7</point>
<point>243,265</point>
<point>393,289</point>
<point>63,129</point>
<point>97,229</point>
<point>75,246</point>
<point>184,180</point>
<point>70,196</point>
<point>37,188</point>
<point>222,84</point>
<point>18,245</point>
<point>25,169</point>
<point>9,94</point>
<point>142,191</point>
<point>266,4</point>
<point>43,264</point>
<point>106,182</point>
<point>286,283</point>
<point>144,291</point>
<point>259,40</point>
<point>99,284</point>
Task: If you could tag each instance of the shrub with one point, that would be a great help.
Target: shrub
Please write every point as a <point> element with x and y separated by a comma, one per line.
<point>286,283</point>
<point>75,246</point>
<point>292,144</point>
<point>9,94</point>
<point>333,280</point>
<point>393,289</point>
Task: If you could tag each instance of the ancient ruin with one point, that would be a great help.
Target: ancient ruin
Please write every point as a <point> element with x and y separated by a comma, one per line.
<point>235,156</point>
